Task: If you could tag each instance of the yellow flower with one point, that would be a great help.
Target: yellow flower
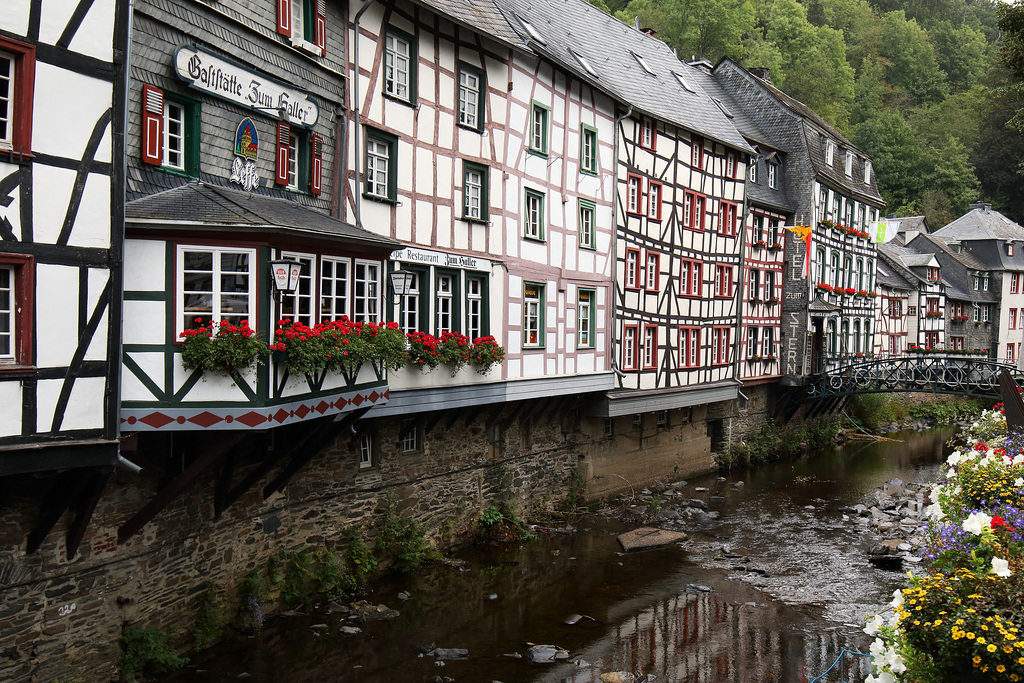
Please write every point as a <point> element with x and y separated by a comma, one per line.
<point>992,648</point>
<point>970,635</point>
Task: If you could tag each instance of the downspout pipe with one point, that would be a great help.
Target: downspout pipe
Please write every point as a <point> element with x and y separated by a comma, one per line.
<point>737,365</point>
<point>615,237</point>
<point>356,111</point>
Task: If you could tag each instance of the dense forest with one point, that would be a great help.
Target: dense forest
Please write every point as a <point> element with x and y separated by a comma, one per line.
<point>926,87</point>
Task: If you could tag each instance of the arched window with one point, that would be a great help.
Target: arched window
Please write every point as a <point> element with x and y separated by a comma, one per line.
<point>834,262</point>
<point>832,342</point>
<point>844,337</point>
<point>848,267</point>
<point>868,345</point>
<point>819,264</point>
<point>856,337</point>
<point>860,273</point>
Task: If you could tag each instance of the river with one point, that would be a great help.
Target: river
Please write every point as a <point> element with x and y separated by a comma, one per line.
<point>784,615</point>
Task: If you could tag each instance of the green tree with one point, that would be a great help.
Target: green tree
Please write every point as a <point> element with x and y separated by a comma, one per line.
<point>913,68</point>
<point>962,52</point>
<point>891,142</point>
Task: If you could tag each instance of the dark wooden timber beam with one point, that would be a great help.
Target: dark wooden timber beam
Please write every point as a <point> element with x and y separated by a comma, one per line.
<point>303,453</point>
<point>214,448</point>
<point>64,491</point>
<point>88,505</point>
<point>270,460</point>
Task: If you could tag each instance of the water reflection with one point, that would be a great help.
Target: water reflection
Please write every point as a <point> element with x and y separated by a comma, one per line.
<point>788,624</point>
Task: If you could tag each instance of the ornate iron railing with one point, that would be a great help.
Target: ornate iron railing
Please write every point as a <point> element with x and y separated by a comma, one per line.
<point>929,373</point>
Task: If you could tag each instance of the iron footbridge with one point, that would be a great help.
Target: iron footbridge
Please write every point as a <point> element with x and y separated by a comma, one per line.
<point>969,375</point>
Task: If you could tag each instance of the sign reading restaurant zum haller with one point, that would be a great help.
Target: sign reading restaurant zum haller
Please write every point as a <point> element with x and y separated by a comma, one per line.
<point>437,258</point>
<point>229,81</point>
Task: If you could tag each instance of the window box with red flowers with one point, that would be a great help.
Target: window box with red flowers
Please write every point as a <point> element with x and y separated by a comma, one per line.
<point>825,287</point>
<point>933,315</point>
<point>486,354</point>
<point>768,359</point>
<point>760,244</point>
<point>221,348</point>
<point>959,319</point>
<point>849,291</point>
<point>774,300</point>
<point>775,247</point>
<point>340,346</point>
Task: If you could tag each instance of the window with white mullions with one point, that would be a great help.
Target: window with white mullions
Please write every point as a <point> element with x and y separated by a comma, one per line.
<point>397,66</point>
<point>365,451</point>
<point>533,315</point>
<point>6,98</point>
<point>585,318</point>
<point>293,162</point>
<point>474,308</point>
<point>174,135</point>
<point>377,167</point>
<point>216,284</point>
<point>752,342</point>
<point>334,288</point>
<point>471,100</point>
<point>474,192</point>
<point>7,311</point>
<point>444,303</point>
<point>410,308</point>
<point>366,297</point>
<point>768,342</point>
<point>298,305</point>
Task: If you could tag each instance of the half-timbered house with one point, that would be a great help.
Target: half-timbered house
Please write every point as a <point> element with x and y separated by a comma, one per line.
<point>895,328</point>
<point>929,295</point>
<point>832,185</point>
<point>494,167</point>
<point>62,81</point>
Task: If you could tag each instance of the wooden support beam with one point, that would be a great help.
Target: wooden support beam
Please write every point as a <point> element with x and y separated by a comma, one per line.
<point>302,453</point>
<point>434,419</point>
<point>453,417</point>
<point>90,498</point>
<point>214,448</point>
<point>66,489</point>
<point>227,473</point>
<point>270,459</point>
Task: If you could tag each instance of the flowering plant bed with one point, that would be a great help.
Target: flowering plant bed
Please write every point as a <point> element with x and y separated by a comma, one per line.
<point>339,345</point>
<point>963,617</point>
<point>959,319</point>
<point>775,247</point>
<point>829,224</point>
<point>221,347</point>
<point>760,244</point>
<point>933,315</point>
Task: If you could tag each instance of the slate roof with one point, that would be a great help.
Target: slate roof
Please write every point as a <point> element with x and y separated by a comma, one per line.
<point>903,260</point>
<point>956,267</point>
<point>889,276</point>
<point>199,205</point>
<point>982,224</point>
<point>912,223</point>
<point>606,44</point>
<point>479,15</point>
<point>815,131</point>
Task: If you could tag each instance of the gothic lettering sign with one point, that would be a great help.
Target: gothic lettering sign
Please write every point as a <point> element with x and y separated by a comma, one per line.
<point>243,172</point>
<point>440,259</point>
<point>234,83</point>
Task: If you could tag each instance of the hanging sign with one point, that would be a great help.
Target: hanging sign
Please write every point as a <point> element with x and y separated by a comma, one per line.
<point>234,83</point>
<point>883,231</point>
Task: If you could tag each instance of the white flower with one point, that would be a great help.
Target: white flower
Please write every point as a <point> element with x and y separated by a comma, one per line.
<point>954,458</point>
<point>977,522</point>
<point>894,661</point>
<point>878,650</point>
<point>897,599</point>
<point>935,511</point>
<point>1018,460</point>
<point>882,677</point>
<point>1019,482</point>
<point>1000,567</point>
<point>874,625</point>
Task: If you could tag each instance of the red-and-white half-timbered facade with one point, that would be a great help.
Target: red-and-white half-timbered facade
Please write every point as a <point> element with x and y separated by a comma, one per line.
<point>493,167</point>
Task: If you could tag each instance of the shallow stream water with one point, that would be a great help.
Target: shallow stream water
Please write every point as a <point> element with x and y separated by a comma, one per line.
<point>785,615</point>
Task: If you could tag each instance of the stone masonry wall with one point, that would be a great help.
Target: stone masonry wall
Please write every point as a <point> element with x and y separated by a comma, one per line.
<point>62,619</point>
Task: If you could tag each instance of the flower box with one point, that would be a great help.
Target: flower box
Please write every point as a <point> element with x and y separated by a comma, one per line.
<point>775,247</point>
<point>760,244</point>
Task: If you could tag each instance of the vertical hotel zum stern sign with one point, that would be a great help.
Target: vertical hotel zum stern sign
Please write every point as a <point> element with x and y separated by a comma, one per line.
<point>232,82</point>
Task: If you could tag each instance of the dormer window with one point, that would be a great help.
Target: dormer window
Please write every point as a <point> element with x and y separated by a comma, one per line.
<point>1009,248</point>
<point>583,62</point>
<point>830,152</point>
<point>933,274</point>
<point>643,63</point>
<point>683,82</point>
<point>867,171</point>
<point>528,27</point>
<point>849,165</point>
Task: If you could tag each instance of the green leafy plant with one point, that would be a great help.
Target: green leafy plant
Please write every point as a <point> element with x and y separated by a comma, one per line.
<point>422,351</point>
<point>147,649</point>
<point>359,557</point>
<point>220,348</point>
<point>454,349</point>
<point>399,539</point>
<point>486,353</point>
<point>253,593</point>
<point>206,628</point>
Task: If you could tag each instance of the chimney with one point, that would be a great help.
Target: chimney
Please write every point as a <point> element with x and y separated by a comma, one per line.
<point>702,64</point>
<point>984,206</point>
<point>762,72</point>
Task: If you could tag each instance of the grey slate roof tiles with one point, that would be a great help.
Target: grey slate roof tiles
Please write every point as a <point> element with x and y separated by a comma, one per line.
<point>982,224</point>
<point>609,46</point>
<point>197,203</point>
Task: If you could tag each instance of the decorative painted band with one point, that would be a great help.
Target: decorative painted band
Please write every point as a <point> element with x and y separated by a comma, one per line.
<point>247,416</point>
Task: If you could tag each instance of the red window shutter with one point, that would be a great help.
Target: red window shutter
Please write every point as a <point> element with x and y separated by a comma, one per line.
<point>316,144</point>
<point>320,33</point>
<point>152,125</point>
<point>283,135</point>
<point>284,17</point>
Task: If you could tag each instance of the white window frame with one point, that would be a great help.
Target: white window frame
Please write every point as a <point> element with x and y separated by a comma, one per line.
<point>8,83</point>
<point>474,307</point>
<point>217,310</point>
<point>752,341</point>
<point>366,304</point>
<point>8,314</point>
<point>378,167</point>
<point>773,175</point>
<point>337,285</point>
<point>444,303</point>
<point>848,164</point>
<point>410,436</point>
<point>533,214</point>
<point>304,297</point>
<point>469,98</point>
<point>533,315</point>
<point>175,116</point>
<point>585,318</point>
<point>473,192</point>
<point>365,451</point>
<point>587,215</point>
<point>397,66</point>
<point>293,161</point>
<point>650,346</point>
